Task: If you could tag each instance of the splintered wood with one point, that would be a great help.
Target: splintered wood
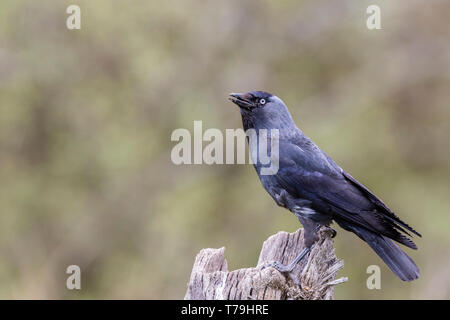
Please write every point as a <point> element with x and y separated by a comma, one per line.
<point>210,278</point>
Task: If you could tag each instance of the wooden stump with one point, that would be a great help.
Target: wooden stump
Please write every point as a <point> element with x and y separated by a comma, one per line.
<point>210,278</point>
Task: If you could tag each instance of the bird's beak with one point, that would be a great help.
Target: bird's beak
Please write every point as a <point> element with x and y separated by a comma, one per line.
<point>241,100</point>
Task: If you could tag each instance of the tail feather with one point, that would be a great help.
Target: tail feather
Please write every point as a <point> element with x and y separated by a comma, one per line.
<point>394,257</point>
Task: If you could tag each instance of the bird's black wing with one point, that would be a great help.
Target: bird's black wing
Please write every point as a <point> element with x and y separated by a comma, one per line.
<point>382,208</point>
<point>308,173</point>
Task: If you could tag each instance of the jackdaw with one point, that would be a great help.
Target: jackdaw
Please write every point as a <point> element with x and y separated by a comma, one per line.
<point>313,187</point>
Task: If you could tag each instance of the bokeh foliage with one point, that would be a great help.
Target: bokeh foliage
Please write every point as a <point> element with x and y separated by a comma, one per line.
<point>86,118</point>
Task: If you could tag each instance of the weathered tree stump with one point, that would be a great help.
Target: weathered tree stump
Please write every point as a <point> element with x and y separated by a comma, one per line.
<point>210,278</point>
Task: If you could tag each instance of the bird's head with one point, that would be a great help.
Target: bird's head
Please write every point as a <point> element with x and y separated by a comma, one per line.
<point>251,100</point>
<point>260,109</point>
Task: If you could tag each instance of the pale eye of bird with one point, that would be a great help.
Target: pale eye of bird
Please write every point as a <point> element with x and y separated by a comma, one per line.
<point>262,101</point>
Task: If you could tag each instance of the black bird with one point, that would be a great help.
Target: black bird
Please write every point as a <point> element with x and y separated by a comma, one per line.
<point>312,186</point>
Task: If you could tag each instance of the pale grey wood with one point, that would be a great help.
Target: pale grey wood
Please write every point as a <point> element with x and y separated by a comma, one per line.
<point>210,278</point>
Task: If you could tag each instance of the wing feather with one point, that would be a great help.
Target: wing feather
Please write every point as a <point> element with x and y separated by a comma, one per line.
<point>336,193</point>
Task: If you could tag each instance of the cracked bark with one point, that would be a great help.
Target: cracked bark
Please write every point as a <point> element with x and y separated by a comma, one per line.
<point>211,280</point>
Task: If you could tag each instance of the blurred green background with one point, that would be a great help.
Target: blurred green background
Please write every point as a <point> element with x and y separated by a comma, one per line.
<point>86,117</point>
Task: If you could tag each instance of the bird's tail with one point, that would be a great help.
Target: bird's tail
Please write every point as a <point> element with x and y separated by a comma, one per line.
<point>395,258</point>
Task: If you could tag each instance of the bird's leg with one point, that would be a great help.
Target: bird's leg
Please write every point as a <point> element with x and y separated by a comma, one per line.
<point>288,268</point>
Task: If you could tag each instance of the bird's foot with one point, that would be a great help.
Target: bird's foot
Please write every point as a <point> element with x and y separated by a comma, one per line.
<point>328,229</point>
<point>280,267</point>
<point>290,267</point>
<point>286,269</point>
<point>332,231</point>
